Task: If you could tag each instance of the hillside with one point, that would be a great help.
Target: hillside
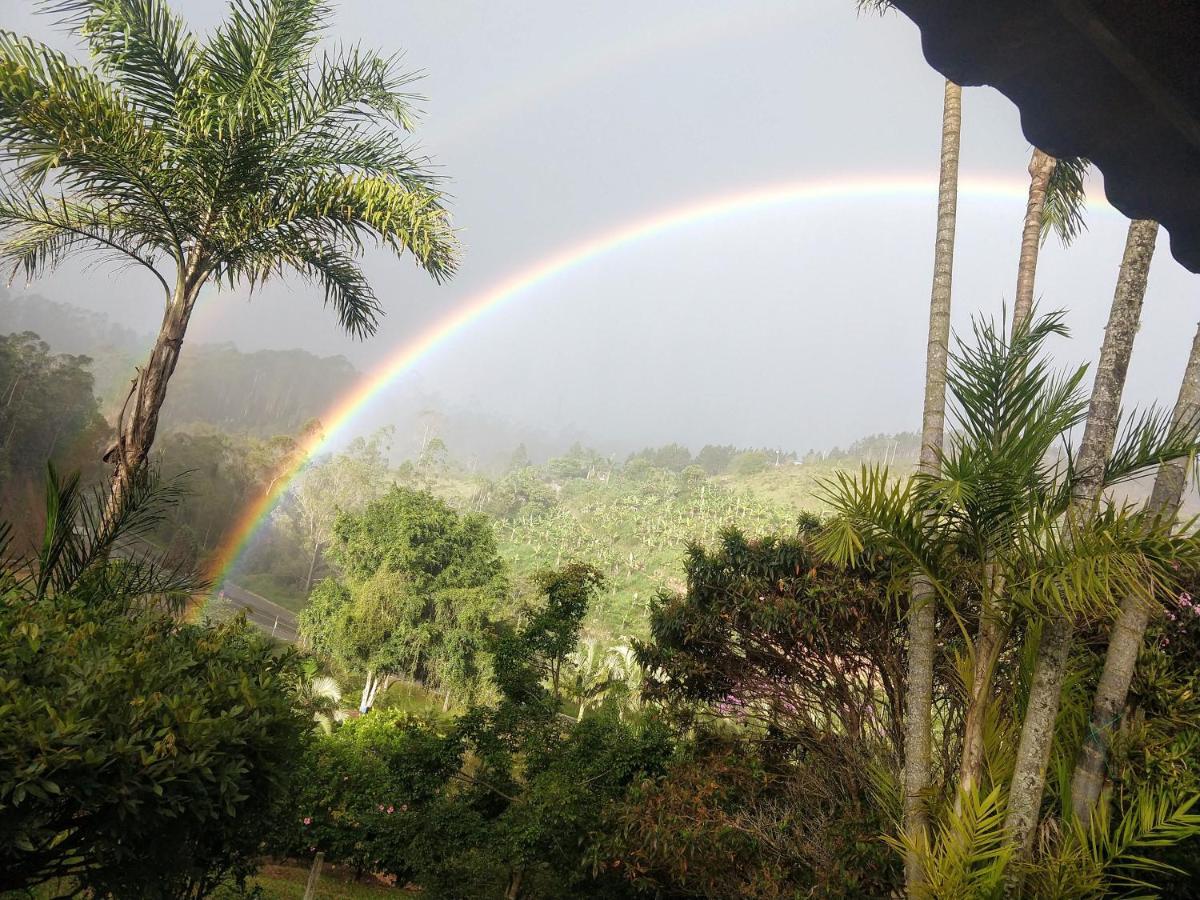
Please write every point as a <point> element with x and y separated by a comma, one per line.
<point>633,523</point>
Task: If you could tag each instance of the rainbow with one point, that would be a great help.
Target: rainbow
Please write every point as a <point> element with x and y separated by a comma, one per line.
<point>567,259</point>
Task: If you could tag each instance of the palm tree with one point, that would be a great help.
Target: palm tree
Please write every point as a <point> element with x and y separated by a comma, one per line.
<point>225,160</point>
<point>1055,203</point>
<point>922,630</point>
<point>1129,629</point>
<point>1091,473</point>
<point>995,511</point>
<point>1041,166</point>
<point>922,626</point>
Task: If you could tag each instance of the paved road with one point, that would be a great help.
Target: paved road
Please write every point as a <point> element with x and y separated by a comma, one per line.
<point>267,615</point>
<point>270,617</point>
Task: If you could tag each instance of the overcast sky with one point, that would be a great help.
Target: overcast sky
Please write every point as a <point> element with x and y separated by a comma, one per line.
<point>799,326</point>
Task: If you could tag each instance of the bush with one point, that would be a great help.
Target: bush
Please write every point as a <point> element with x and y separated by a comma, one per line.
<point>727,820</point>
<point>138,755</point>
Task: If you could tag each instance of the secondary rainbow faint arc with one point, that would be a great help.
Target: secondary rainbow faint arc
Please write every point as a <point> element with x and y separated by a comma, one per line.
<point>567,258</point>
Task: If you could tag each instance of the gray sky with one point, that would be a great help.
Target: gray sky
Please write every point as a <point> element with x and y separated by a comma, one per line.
<point>799,326</point>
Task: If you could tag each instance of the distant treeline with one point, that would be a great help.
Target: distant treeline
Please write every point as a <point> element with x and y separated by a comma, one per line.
<point>726,459</point>
<point>263,393</point>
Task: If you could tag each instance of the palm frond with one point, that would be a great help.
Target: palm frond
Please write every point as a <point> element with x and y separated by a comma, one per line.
<point>256,57</point>
<point>1153,819</point>
<point>82,531</point>
<point>346,287</point>
<point>1149,438</point>
<point>142,44</point>
<point>38,232</point>
<point>1066,199</point>
<point>967,853</point>
<point>347,211</point>
<point>876,513</point>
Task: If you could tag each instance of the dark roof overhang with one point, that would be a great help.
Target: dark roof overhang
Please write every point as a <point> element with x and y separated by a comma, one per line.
<point>1115,81</point>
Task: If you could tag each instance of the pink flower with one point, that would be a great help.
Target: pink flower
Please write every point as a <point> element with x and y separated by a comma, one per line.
<point>307,820</point>
<point>391,809</point>
<point>381,807</point>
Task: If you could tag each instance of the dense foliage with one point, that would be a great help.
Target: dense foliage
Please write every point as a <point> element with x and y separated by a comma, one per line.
<point>744,818</point>
<point>418,588</point>
<point>502,802</point>
<point>139,755</point>
<point>769,633</point>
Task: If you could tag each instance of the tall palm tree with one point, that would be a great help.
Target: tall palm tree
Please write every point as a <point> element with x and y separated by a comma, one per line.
<point>1091,466</point>
<point>225,160</point>
<point>1056,202</point>
<point>922,636</point>
<point>1129,628</point>
<point>922,625</point>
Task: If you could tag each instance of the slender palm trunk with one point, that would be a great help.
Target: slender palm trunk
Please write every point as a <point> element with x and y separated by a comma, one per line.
<point>922,637</point>
<point>1041,167</point>
<point>989,641</point>
<point>1128,631</point>
<point>993,629</point>
<point>138,420</point>
<point>1037,731</point>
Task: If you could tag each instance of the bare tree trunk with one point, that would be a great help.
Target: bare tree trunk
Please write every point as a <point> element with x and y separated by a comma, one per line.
<point>1129,629</point>
<point>922,637</point>
<point>312,565</point>
<point>1037,731</point>
<point>138,420</point>
<point>1041,167</point>
<point>514,885</point>
<point>368,694</point>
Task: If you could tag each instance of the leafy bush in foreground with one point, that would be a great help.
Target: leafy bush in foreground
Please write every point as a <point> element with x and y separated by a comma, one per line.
<point>139,756</point>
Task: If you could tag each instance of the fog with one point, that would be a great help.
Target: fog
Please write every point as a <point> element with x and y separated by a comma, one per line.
<point>798,326</point>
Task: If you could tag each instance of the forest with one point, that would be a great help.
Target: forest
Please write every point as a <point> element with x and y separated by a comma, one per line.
<point>254,651</point>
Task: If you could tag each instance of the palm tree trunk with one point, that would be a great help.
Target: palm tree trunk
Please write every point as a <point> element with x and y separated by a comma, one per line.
<point>1128,631</point>
<point>989,641</point>
<point>1037,731</point>
<point>992,631</point>
<point>922,637</point>
<point>1041,167</point>
<point>137,423</point>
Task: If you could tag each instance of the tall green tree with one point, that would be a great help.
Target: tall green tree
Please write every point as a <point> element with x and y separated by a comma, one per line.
<point>329,487</point>
<point>922,631</point>
<point>1056,201</point>
<point>229,158</point>
<point>419,586</point>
